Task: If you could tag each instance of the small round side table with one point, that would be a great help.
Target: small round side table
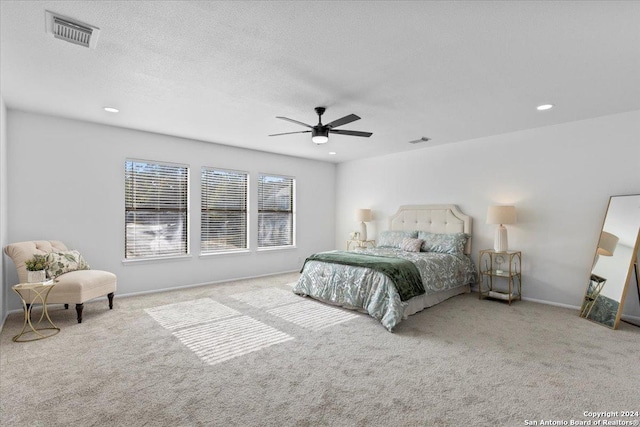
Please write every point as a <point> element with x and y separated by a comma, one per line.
<point>40,295</point>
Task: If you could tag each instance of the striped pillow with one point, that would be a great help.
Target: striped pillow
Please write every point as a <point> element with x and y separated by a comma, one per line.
<point>411,245</point>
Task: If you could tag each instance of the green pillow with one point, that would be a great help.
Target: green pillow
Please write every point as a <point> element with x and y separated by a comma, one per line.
<point>59,263</point>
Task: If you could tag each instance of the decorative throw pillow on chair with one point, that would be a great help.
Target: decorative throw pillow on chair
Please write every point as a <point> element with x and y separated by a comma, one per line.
<point>59,263</point>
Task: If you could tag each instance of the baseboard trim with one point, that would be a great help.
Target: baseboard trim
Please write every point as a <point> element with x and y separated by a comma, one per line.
<point>195,285</point>
<point>175,288</point>
<point>557,304</point>
<point>632,320</point>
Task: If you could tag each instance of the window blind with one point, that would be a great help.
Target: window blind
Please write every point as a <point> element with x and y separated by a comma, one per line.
<point>223,211</point>
<point>275,211</point>
<point>156,209</point>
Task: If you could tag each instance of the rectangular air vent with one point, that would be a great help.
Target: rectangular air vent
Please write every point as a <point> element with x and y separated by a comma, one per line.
<point>71,30</point>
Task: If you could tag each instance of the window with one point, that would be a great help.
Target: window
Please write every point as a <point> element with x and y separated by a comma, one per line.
<point>156,209</point>
<point>276,217</point>
<point>223,211</point>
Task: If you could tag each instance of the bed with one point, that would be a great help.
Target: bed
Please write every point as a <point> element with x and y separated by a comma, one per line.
<point>439,241</point>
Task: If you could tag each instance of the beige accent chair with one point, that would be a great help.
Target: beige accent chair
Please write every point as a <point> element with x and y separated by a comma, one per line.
<point>74,287</point>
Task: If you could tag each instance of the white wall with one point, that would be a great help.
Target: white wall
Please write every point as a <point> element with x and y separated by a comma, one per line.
<point>66,182</point>
<point>558,177</point>
<point>3,208</point>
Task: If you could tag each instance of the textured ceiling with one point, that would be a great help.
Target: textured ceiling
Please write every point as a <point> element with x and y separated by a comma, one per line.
<point>221,71</point>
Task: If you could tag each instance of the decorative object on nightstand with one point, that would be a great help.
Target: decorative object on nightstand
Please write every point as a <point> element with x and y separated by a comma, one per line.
<point>501,215</point>
<point>490,266</point>
<point>363,216</point>
<point>360,244</point>
<point>36,269</point>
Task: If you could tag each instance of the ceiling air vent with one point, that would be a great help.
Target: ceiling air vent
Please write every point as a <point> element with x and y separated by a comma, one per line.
<point>72,31</point>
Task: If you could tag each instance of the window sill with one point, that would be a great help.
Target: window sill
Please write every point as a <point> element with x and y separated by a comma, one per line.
<point>215,254</point>
<point>156,259</point>
<point>276,248</point>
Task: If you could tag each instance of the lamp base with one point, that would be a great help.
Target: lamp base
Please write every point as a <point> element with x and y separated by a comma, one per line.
<point>500,240</point>
<point>363,231</point>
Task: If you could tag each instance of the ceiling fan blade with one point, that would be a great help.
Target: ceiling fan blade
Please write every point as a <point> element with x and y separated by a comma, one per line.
<point>289,133</point>
<point>294,121</point>
<point>343,121</point>
<point>351,132</point>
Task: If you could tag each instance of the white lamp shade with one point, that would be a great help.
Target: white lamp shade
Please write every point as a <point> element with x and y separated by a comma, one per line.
<point>501,215</point>
<point>363,215</point>
<point>607,244</point>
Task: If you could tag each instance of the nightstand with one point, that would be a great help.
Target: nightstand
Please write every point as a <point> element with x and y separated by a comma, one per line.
<point>360,244</point>
<point>494,267</point>
<point>39,292</point>
<point>596,283</point>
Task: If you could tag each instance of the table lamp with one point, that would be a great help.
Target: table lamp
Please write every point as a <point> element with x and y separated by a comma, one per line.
<point>363,215</point>
<point>606,246</point>
<point>501,215</point>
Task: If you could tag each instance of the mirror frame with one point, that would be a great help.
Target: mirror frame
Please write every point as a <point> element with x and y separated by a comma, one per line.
<point>631,270</point>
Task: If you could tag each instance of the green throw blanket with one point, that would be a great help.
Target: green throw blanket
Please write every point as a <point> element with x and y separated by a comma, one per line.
<point>403,273</point>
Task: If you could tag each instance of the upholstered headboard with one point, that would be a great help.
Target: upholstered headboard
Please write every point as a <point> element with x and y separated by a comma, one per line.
<point>433,218</point>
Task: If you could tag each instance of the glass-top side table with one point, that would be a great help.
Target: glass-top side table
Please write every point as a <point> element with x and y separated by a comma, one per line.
<point>39,292</point>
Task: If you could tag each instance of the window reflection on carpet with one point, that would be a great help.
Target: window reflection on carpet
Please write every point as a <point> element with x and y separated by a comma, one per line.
<point>312,314</point>
<point>225,339</point>
<point>188,313</point>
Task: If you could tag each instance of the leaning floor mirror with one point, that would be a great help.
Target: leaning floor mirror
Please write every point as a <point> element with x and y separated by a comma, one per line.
<point>615,264</point>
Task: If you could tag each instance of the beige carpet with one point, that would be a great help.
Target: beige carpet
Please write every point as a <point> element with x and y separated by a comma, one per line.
<point>250,353</point>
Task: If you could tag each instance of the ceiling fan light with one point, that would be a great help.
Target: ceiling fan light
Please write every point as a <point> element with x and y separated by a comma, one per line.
<point>320,139</point>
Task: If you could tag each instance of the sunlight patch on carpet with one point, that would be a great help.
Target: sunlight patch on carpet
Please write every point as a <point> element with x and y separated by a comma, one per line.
<point>312,315</point>
<point>267,298</point>
<point>189,313</point>
<point>225,339</point>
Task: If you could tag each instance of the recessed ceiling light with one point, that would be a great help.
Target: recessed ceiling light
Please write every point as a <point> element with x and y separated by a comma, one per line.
<point>332,153</point>
<point>111,110</point>
<point>544,107</point>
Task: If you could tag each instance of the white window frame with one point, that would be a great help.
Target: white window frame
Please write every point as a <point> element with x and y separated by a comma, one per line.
<point>204,188</point>
<point>159,247</point>
<point>262,210</point>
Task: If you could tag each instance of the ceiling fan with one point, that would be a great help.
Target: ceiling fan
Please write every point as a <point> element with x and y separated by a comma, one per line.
<point>320,133</point>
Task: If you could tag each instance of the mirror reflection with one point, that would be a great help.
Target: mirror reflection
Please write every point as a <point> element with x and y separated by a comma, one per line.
<point>613,263</point>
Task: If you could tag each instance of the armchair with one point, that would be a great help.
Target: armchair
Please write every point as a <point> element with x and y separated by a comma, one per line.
<point>73,287</point>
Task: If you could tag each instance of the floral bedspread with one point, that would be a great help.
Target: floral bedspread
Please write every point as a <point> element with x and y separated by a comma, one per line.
<point>374,293</point>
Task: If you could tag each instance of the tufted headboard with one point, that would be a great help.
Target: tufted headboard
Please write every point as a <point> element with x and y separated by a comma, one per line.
<point>433,218</point>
